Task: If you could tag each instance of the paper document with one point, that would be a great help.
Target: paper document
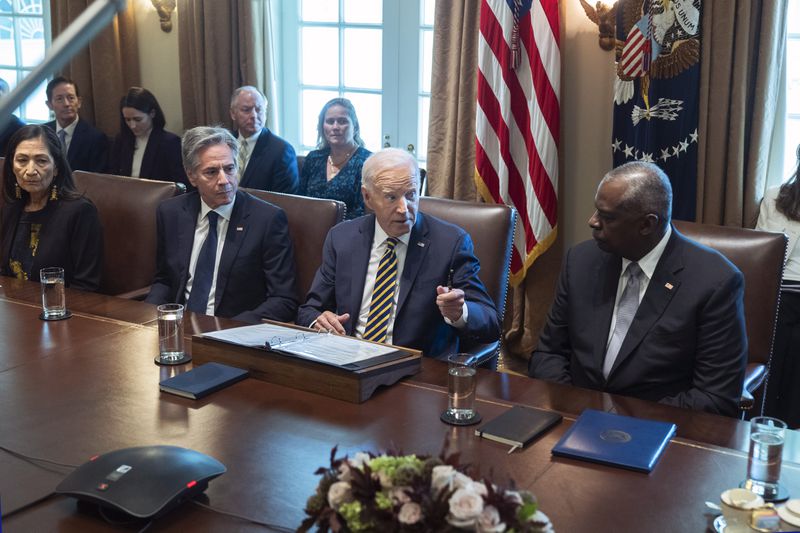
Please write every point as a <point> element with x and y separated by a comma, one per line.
<point>337,350</point>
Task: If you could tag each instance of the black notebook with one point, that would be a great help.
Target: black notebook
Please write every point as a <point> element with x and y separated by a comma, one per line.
<point>203,380</point>
<point>617,440</point>
<point>518,426</point>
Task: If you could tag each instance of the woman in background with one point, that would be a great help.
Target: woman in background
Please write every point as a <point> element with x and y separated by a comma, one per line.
<point>143,148</point>
<point>780,212</point>
<point>45,221</point>
<point>334,169</point>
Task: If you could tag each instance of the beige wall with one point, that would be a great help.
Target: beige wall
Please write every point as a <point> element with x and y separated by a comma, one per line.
<point>586,114</point>
<point>158,53</point>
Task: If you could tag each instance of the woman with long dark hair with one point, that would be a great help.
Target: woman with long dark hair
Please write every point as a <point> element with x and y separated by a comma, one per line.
<point>45,221</point>
<point>143,148</point>
<point>780,212</point>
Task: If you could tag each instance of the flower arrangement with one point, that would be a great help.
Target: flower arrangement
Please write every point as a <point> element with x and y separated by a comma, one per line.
<point>394,492</point>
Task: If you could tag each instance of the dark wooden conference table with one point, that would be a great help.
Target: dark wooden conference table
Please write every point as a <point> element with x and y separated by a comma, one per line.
<point>88,385</point>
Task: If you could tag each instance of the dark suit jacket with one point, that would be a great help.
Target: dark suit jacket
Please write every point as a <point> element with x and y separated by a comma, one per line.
<point>687,344</point>
<point>72,238</point>
<point>14,124</point>
<point>88,149</point>
<point>161,159</point>
<point>272,165</point>
<point>435,247</point>
<point>255,277</point>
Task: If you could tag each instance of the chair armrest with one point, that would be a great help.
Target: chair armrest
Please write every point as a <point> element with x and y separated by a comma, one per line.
<point>486,354</point>
<point>136,294</point>
<point>754,376</point>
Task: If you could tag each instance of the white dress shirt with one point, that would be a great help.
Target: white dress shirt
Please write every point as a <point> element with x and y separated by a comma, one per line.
<point>70,129</point>
<point>648,264</point>
<point>250,144</point>
<point>200,233</point>
<point>378,247</point>
<point>139,147</point>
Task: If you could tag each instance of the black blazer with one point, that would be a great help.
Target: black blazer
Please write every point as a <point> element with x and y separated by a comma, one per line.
<point>88,149</point>
<point>255,276</point>
<point>272,165</point>
<point>437,250</point>
<point>161,160</point>
<point>72,238</point>
<point>686,346</point>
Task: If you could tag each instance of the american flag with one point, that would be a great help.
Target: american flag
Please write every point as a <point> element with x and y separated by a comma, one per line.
<point>516,157</point>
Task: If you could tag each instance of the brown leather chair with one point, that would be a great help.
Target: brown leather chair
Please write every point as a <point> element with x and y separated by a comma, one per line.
<point>491,227</point>
<point>309,222</point>
<point>301,160</point>
<point>760,256</point>
<point>127,209</point>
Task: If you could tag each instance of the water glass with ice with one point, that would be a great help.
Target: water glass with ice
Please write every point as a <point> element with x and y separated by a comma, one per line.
<point>53,302</point>
<point>170,332</point>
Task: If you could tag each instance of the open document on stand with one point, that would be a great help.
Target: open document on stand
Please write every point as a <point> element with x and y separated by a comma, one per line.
<point>335,350</point>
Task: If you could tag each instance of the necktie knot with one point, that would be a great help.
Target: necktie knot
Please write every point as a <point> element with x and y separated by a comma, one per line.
<point>213,217</point>
<point>62,134</point>
<point>391,242</point>
<point>634,271</point>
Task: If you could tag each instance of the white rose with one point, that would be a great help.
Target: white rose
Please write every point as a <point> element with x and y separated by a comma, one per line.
<point>477,486</point>
<point>344,472</point>
<point>514,497</point>
<point>465,507</point>
<point>461,481</point>
<point>339,493</point>
<point>385,479</point>
<point>410,513</point>
<point>400,495</point>
<point>489,521</point>
<point>359,460</point>
<point>541,523</point>
<point>441,477</point>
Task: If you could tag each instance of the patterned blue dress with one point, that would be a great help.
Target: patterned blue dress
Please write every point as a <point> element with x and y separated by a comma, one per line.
<point>344,186</point>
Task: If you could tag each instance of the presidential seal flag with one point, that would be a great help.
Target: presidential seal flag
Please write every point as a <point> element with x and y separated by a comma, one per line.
<point>656,92</point>
<point>516,144</point>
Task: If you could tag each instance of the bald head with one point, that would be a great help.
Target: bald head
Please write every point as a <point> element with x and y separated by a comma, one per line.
<point>633,207</point>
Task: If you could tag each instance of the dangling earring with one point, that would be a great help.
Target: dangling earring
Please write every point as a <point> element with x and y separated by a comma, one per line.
<point>54,193</point>
<point>17,191</point>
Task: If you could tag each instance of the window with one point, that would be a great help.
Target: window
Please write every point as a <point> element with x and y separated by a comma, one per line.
<point>792,88</point>
<point>24,35</point>
<point>377,54</point>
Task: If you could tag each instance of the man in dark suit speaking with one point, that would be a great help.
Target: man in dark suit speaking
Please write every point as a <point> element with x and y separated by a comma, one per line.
<point>399,276</point>
<point>266,161</point>
<point>643,311</point>
<point>86,146</point>
<point>222,251</point>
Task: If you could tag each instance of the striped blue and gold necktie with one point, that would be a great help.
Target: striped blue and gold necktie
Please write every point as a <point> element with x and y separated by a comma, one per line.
<point>380,306</point>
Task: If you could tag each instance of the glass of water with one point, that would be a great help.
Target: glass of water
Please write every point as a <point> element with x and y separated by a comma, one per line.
<point>54,306</point>
<point>461,384</point>
<point>764,458</point>
<point>170,334</point>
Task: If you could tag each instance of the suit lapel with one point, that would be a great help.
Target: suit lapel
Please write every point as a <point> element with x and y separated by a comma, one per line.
<point>250,170</point>
<point>606,274</point>
<point>417,248</point>
<point>187,222</point>
<point>237,229</point>
<point>149,156</point>
<point>662,287</point>
<point>75,142</point>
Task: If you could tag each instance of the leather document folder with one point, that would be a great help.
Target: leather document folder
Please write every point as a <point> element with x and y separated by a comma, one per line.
<point>202,380</point>
<point>518,426</point>
<point>616,440</point>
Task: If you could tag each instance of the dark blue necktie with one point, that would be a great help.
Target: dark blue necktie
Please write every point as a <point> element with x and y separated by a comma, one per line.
<point>204,269</point>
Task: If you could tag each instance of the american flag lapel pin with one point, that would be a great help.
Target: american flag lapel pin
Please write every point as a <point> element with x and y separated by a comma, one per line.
<point>668,286</point>
<point>421,244</point>
<point>239,228</point>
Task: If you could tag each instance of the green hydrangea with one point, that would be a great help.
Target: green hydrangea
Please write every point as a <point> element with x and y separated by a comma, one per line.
<point>388,465</point>
<point>351,512</point>
<point>383,501</point>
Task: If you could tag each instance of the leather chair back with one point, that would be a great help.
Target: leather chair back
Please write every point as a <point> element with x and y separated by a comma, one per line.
<point>760,256</point>
<point>491,227</point>
<point>310,219</point>
<point>127,210</point>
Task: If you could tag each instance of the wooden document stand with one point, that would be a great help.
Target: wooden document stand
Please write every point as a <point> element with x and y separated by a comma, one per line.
<point>350,385</point>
